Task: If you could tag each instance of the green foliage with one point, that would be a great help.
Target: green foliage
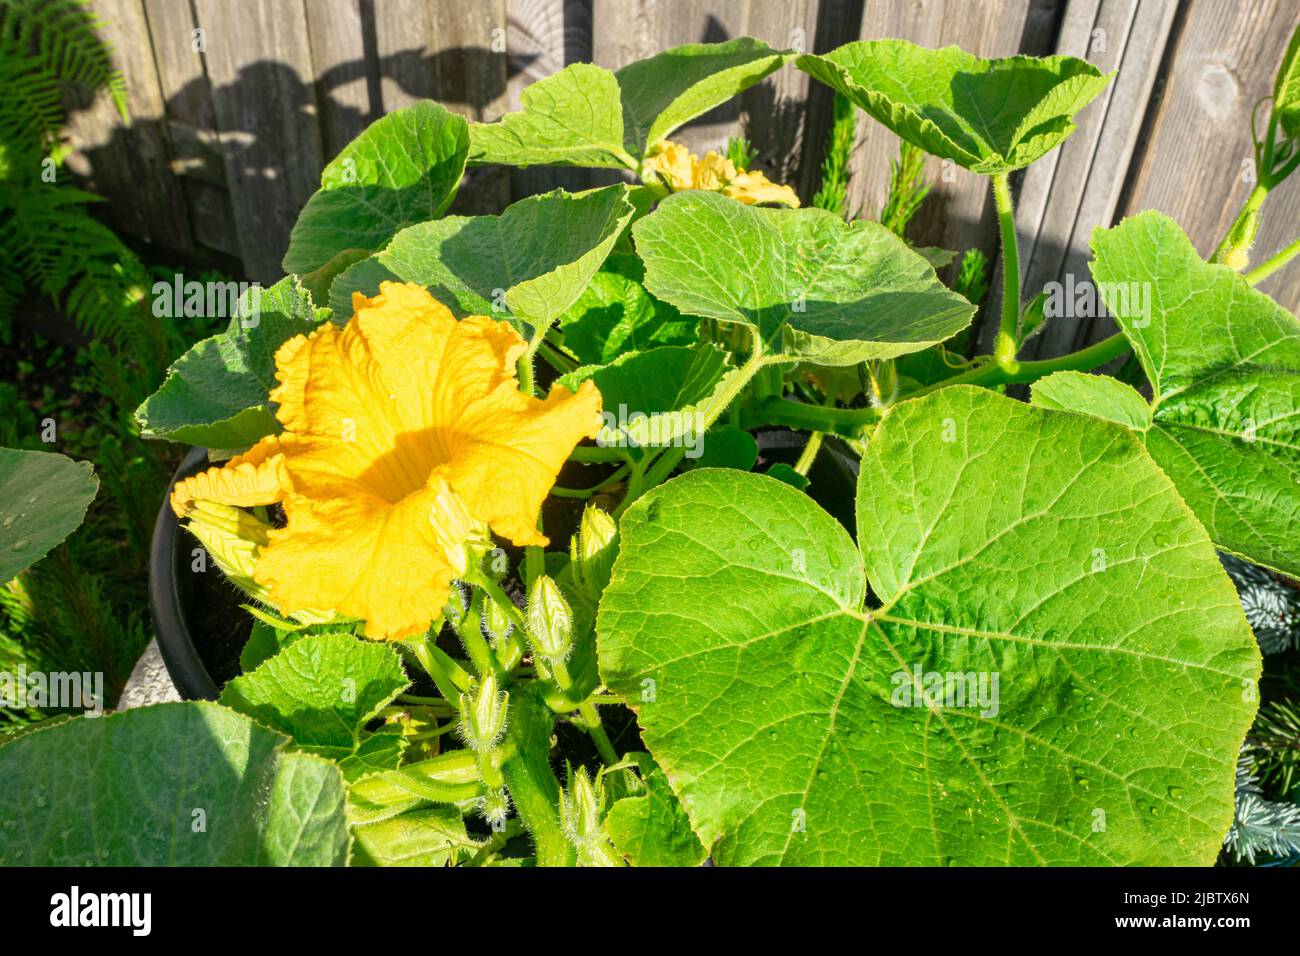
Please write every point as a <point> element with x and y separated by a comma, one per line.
<point>907,189</point>
<point>833,193</point>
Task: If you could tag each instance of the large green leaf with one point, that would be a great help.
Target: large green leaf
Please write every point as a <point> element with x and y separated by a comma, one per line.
<point>991,116</point>
<point>615,315</point>
<point>585,115</point>
<point>43,499</point>
<point>432,836</point>
<point>320,690</point>
<point>533,260</point>
<point>570,118</point>
<point>653,398</point>
<point>1224,364</point>
<point>184,784</point>
<point>813,285</point>
<point>999,539</point>
<point>665,91</point>
<point>403,169</point>
<point>216,393</point>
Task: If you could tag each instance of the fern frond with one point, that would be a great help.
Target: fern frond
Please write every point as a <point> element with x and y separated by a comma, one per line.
<point>31,102</point>
<point>64,34</point>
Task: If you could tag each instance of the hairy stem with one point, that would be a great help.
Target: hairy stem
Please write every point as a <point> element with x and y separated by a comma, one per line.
<point>1005,348</point>
<point>1275,262</point>
<point>990,373</point>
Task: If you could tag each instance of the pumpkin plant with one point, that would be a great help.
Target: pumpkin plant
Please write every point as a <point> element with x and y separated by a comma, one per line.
<point>1024,650</point>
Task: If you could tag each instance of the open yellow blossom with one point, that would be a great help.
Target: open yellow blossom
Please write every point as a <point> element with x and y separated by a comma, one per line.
<point>676,168</point>
<point>405,440</point>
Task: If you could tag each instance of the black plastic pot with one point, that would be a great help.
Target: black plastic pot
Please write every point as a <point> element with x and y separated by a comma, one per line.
<point>172,594</point>
<point>201,627</point>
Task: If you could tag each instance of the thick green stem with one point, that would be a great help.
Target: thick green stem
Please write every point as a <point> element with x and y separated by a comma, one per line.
<point>1005,348</point>
<point>848,422</point>
<point>448,676</point>
<point>990,373</point>
<point>1275,262</point>
<point>533,788</point>
<point>595,489</point>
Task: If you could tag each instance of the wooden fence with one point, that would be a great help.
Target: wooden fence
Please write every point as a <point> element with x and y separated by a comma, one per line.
<point>227,142</point>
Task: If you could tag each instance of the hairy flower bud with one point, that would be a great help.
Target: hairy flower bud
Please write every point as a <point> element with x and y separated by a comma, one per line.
<point>582,817</point>
<point>593,549</point>
<point>483,714</point>
<point>496,622</point>
<point>550,620</point>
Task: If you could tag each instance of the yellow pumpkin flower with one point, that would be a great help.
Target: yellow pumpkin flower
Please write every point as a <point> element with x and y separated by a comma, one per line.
<point>405,440</point>
<point>676,168</point>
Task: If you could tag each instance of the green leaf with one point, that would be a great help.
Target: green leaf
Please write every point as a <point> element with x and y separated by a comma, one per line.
<point>991,116</point>
<point>670,89</point>
<point>570,118</point>
<point>615,315</point>
<point>726,446</point>
<point>43,499</point>
<point>1223,360</point>
<point>652,829</point>
<point>377,752</point>
<point>433,836</point>
<point>403,169</point>
<point>1098,395</point>
<point>655,397</point>
<point>786,473</point>
<point>1286,88</point>
<point>321,690</point>
<point>813,285</point>
<point>264,642</point>
<point>1043,547</point>
<point>533,260</point>
<point>216,393</point>
<point>184,784</point>
<point>585,115</point>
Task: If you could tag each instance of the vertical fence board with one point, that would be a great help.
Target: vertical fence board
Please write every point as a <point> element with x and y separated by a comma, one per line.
<point>1074,189</point>
<point>129,166</point>
<point>264,99</point>
<point>344,76</point>
<point>1192,164</point>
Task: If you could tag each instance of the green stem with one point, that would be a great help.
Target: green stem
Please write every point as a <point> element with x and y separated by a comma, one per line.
<point>533,788</point>
<point>448,676</point>
<point>471,636</point>
<point>557,359</point>
<point>990,373</point>
<point>595,489</point>
<point>1235,248</point>
<point>848,422</point>
<point>1277,261</point>
<point>591,720</point>
<point>1005,348</point>
<point>595,454</point>
<point>809,453</point>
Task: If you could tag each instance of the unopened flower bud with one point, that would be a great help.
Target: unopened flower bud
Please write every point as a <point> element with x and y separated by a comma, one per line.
<point>582,817</point>
<point>593,549</point>
<point>496,622</point>
<point>483,714</point>
<point>233,538</point>
<point>550,620</point>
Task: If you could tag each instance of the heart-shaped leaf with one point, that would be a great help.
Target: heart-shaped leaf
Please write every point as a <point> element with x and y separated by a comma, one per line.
<point>216,393</point>
<point>991,116</point>
<point>320,690</point>
<point>813,286</point>
<point>1053,667</point>
<point>532,261</point>
<point>669,89</point>
<point>585,115</point>
<point>184,784</point>
<point>570,118</point>
<point>43,499</point>
<point>405,168</point>
<point>1224,364</point>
